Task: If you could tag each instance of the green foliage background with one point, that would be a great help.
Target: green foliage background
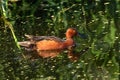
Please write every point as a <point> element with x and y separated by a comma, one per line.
<point>99,19</point>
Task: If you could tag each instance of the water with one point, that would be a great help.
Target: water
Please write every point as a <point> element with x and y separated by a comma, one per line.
<point>100,62</point>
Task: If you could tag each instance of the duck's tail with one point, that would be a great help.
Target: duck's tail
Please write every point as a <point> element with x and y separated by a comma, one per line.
<point>28,45</point>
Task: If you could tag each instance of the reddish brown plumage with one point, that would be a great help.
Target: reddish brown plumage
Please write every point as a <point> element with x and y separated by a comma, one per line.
<point>50,46</point>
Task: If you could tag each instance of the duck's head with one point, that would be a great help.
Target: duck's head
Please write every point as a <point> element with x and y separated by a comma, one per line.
<point>71,32</point>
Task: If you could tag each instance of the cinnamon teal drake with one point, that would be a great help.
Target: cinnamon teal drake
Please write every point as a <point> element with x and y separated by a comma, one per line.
<point>50,46</point>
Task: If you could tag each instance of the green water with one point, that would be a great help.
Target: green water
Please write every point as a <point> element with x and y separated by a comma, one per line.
<point>98,19</point>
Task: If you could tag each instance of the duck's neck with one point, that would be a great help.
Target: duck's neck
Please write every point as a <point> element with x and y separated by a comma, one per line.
<point>69,42</point>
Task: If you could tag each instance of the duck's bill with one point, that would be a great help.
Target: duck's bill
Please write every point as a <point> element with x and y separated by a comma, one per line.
<point>82,35</point>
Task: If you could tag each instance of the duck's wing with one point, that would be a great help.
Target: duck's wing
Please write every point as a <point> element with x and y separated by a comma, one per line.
<point>30,44</point>
<point>39,38</point>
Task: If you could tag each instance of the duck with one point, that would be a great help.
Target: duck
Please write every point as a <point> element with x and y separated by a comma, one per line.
<point>51,46</point>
